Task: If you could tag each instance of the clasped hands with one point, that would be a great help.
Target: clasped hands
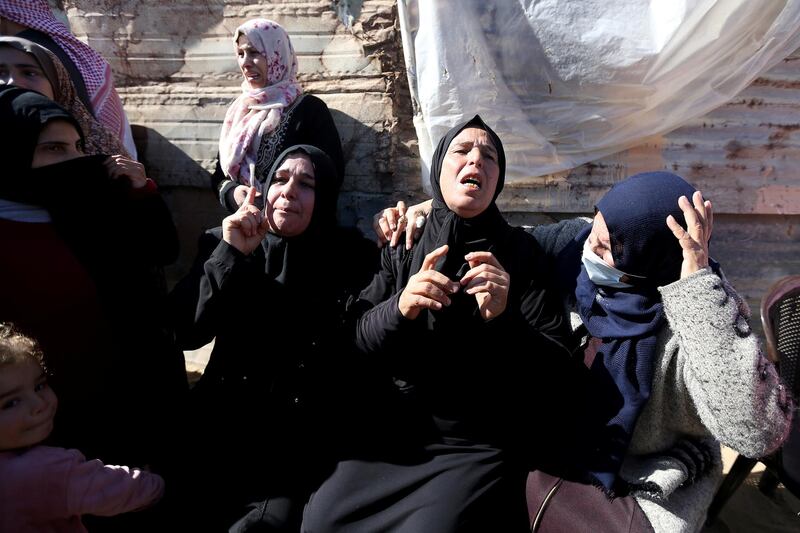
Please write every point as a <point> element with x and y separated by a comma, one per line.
<point>486,279</point>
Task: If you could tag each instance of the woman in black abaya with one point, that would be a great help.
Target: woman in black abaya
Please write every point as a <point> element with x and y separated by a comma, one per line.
<point>273,296</point>
<point>443,320</point>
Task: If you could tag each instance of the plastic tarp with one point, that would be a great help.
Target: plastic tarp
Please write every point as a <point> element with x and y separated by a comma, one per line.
<point>564,82</point>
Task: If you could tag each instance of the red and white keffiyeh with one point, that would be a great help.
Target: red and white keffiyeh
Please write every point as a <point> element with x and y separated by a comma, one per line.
<point>96,72</point>
<point>256,113</point>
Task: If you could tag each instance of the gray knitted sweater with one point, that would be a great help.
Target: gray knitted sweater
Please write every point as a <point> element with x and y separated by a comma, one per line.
<point>711,385</point>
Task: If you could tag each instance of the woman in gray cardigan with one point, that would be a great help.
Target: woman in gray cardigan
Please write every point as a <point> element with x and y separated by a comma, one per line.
<point>674,366</point>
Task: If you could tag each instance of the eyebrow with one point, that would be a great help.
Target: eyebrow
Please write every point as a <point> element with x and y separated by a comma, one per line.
<point>50,143</point>
<point>287,173</point>
<point>470,144</point>
<point>10,392</point>
<point>24,65</point>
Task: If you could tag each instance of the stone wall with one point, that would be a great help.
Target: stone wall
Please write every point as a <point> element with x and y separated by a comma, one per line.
<point>176,72</point>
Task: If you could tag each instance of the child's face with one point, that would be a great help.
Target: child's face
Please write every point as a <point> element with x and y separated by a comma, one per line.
<point>27,405</point>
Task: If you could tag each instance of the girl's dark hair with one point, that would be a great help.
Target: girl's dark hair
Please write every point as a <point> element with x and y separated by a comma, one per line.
<point>16,347</point>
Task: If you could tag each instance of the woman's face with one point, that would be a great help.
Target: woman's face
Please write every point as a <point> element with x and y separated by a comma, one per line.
<point>600,240</point>
<point>21,69</point>
<point>252,63</point>
<point>58,141</point>
<point>470,172</point>
<point>291,195</point>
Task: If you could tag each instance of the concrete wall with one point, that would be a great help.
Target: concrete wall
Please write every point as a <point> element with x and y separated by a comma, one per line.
<point>176,72</point>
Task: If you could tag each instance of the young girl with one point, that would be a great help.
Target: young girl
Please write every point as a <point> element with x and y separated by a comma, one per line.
<point>43,488</point>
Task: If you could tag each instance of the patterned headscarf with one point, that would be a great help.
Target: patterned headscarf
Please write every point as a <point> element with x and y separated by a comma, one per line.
<point>256,113</point>
<point>98,140</point>
<point>96,72</point>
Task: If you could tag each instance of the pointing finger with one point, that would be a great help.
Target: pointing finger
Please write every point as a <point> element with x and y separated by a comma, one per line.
<point>430,260</point>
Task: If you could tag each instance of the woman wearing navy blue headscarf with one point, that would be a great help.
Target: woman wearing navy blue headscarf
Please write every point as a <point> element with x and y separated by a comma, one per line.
<point>673,366</point>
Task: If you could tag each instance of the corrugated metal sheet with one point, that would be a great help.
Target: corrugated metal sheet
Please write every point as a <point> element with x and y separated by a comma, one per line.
<point>745,155</point>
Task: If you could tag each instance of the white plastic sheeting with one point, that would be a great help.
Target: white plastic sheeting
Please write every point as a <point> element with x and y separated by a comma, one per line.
<point>564,82</point>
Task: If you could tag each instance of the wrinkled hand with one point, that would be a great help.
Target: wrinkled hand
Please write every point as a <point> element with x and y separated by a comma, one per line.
<point>427,289</point>
<point>120,166</point>
<point>694,239</point>
<point>488,281</point>
<point>246,228</point>
<point>392,222</point>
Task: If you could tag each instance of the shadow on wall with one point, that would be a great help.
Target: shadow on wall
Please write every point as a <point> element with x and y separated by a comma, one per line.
<point>167,164</point>
<point>371,163</point>
<point>194,209</point>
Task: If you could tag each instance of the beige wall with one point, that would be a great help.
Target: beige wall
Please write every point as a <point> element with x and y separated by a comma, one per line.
<point>176,73</point>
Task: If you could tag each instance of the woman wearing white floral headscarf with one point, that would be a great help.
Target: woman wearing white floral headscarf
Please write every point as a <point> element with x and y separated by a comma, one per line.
<point>271,114</point>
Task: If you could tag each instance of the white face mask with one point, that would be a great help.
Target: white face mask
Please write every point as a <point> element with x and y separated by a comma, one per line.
<point>600,272</point>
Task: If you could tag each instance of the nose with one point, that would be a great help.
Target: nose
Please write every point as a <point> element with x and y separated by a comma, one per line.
<point>290,191</point>
<point>475,157</point>
<point>38,404</point>
<point>247,59</point>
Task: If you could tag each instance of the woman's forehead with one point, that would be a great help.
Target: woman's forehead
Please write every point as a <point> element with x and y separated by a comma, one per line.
<point>472,136</point>
<point>298,160</point>
<point>12,51</point>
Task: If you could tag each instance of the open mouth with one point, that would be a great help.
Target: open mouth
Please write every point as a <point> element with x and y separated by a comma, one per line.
<point>471,182</point>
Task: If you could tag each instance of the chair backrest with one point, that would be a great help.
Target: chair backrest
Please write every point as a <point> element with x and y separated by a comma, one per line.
<point>780,316</point>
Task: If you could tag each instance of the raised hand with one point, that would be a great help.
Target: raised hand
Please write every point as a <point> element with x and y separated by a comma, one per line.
<point>694,239</point>
<point>246,228</point>
<point>427,289</point>
<point>488,281</point>
<point>119,166</point>
<point>385,223</point>
<point>391,223</point>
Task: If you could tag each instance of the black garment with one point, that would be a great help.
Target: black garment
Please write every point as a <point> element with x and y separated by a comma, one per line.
<point>125,391</point>
<point>263,412</point>
<point>307,121</point>
<point>459,401</point>
<point>75,75</point>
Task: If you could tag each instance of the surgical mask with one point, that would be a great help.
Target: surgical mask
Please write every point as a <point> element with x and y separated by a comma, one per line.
<point>599,272</point>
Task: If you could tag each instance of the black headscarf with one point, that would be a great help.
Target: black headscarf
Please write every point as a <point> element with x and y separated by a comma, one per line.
<point>445,226</point>
<point>463,235</point>
<point>628,320</point>
<point>295,260</point>
<point>76,193</point>
<point>23,115</point>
